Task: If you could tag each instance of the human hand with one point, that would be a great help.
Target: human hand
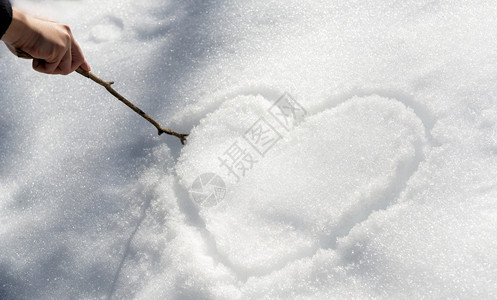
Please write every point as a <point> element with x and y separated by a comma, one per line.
<point>51,43</point>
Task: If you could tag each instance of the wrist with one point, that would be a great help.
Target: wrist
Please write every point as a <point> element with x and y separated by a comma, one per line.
<point>17,29</point>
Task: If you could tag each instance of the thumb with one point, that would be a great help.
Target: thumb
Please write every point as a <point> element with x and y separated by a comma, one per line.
<point>85,66</point>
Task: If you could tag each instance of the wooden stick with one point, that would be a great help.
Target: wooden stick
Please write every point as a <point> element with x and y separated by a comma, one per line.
<point>108,87</point>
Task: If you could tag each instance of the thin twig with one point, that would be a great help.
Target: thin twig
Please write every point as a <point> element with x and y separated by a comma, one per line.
<point>108,87</point>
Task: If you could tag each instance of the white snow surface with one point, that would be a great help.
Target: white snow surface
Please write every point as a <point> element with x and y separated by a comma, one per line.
<point>384,187</point>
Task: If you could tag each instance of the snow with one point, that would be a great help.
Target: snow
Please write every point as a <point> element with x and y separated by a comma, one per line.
<point>382,185</point>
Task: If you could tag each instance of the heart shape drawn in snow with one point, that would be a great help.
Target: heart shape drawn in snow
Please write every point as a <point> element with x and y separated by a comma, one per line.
<point>322,178</point>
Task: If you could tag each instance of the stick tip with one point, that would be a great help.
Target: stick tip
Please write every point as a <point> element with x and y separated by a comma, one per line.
<point>182,138</point>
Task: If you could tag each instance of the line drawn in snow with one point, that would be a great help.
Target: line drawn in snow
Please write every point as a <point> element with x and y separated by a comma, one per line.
<point>240,157</point>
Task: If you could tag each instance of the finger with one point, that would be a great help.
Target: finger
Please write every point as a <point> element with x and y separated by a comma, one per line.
<point>52,60</point>
<point>44,67</point>
<point>49,63</point>
<point>13,50</point>
<point>64,66</point>
<point>37,65</point>
<point>78,59</point>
